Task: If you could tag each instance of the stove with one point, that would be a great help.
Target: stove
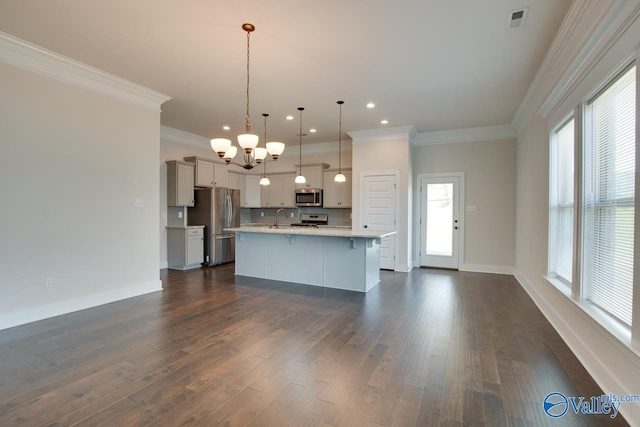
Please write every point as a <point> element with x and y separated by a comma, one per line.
<point>312,220</point>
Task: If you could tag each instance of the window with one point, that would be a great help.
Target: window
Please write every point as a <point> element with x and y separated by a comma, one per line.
<point>597,154</point>
<point>561,203</point>
<point>609,197</point>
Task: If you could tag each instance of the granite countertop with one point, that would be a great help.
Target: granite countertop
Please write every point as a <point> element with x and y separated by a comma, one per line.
<point>308,231</point>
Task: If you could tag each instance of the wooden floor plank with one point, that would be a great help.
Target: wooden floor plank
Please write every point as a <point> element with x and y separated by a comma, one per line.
<point>425,348</point>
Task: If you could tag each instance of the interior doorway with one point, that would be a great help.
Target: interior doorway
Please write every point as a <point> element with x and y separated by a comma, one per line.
<point>379,213</point>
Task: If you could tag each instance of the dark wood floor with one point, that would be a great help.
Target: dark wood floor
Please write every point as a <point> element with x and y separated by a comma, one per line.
<point>428,348</point>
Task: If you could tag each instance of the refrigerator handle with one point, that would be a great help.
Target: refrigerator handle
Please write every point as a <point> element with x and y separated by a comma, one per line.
<point>230,208</point>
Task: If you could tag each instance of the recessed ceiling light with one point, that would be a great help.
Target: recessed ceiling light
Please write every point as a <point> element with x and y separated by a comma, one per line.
<point>384,122</point>
<point>226,127</point>
<point>289,117</point>
<point>312,130</point>
<point>371,105</point>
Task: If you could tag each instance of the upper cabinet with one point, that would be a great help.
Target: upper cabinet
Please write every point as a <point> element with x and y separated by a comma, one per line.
<point>313,173</point>
<point>250,191</point>
<point>337,194</point>
<point>207,173</point>
<point>280,193</point>
<point>233,180</point>
<point>179,183</point>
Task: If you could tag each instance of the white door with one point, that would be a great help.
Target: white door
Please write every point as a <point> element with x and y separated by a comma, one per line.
<point>379,213</point>
<point>440,221</point>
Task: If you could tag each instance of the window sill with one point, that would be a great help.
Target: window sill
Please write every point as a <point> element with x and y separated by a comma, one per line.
<point>617,332</point>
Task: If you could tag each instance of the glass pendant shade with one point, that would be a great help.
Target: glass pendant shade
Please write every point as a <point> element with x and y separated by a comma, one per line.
<point>248,141</point>
<point>275,149</point>
<point>300,179</point>
<point>340,177</point>
<point>259,154</point>
<point>220,145</point>
<point>264,181</point>
<point>231,153</point>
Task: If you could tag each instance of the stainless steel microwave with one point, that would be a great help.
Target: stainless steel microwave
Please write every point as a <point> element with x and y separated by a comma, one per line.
<point>309,197</point>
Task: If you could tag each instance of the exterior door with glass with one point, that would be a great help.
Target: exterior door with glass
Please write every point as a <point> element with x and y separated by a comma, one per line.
<point>440,221</point>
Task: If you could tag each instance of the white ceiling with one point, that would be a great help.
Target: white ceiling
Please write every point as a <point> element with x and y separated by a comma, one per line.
<point>438,65</point>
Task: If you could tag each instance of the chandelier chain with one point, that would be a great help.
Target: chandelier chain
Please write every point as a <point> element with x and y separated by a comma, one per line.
<point>247,123</point>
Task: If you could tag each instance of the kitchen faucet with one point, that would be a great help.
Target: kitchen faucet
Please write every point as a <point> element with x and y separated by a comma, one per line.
<point>277,213</point>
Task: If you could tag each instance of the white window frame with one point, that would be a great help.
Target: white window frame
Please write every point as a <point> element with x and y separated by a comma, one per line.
<point>553,175</point>
<point>630,336</point>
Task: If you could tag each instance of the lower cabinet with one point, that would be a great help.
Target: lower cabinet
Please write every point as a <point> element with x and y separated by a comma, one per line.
<point>185,247</point>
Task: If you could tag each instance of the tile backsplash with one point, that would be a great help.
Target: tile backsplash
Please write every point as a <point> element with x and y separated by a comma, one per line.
<point>341,217</point>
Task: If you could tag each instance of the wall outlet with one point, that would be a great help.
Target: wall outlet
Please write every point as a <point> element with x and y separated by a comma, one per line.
<point>179,214</point>
<point>291,214</point>
<point>261,214</point>
<point>48,282</point>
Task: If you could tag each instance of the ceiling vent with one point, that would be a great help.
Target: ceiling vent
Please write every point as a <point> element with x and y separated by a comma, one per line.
<point>517,18</point>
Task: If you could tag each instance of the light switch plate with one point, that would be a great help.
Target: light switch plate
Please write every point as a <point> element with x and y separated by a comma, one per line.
<point>139,203</point>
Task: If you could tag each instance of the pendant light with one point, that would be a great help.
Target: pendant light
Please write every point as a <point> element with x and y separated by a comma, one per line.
<point>340,176</point>
<point>300,179</point>
<point>264,180</point>
<point>247,141</point>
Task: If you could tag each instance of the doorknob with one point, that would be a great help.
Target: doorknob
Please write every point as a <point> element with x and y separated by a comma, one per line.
<point>366,226</point>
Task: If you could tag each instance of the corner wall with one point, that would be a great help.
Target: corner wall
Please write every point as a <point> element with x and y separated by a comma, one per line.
<point>613,363</point>
<point>73,163</point>
<point>490,175</point>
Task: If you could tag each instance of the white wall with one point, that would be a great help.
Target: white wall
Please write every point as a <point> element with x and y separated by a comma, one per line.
<point>613,363</point>
<point>73,162</point>
<point>490,175</point>
<point>387,150</point>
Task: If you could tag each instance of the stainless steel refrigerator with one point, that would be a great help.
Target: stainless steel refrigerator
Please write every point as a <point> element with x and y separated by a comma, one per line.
<point>216,209</point>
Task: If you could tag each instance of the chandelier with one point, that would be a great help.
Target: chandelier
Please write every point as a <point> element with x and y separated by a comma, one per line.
<point>248,142</point>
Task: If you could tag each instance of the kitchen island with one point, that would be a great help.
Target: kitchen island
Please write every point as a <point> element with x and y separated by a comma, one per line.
<point>338,258</point>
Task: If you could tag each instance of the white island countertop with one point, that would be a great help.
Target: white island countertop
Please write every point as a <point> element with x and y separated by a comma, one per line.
<point>310,231</point>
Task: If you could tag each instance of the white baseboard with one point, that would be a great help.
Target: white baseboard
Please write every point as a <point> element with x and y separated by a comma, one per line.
<point>404,268</point>
<point>481,268</point>
<point>58,308</point>
<point>610,380</point>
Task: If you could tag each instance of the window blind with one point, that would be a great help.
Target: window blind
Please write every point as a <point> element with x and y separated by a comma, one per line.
<point>562,203</point>
<point>609,197</point>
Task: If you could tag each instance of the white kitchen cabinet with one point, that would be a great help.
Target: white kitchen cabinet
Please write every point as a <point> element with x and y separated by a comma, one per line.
<point>221,176</point>
<point>179,183</point>
<point>233,180</point>
<point>337,194</point>
<point>185,247</point>
<point>208,173</point>
<point>250,191</point>
<point>313,173</point>
<point>280,193</point>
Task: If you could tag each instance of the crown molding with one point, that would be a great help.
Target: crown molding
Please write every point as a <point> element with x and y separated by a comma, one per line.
<point>487,133</point>
<point>181,137</point>
<point>28,56</point>
<point>615,24</point>
<point>581,21</point>
<point>382,134</point>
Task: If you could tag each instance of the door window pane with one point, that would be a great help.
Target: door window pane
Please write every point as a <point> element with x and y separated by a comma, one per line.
<point>440,219</point>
